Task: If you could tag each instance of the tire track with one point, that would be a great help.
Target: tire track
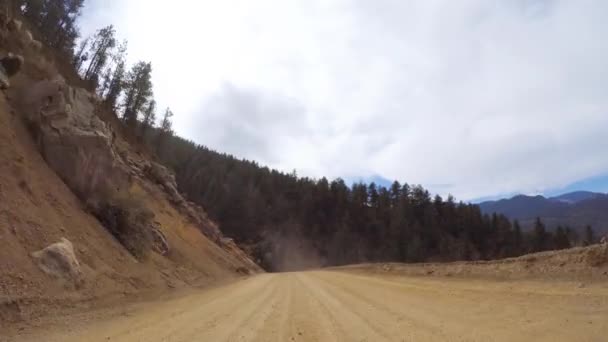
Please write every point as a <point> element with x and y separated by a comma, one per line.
<point>351,322</point>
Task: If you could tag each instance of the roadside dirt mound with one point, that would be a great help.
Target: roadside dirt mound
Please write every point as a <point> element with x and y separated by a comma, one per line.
<point>580,263</point>
<point>38,209</point>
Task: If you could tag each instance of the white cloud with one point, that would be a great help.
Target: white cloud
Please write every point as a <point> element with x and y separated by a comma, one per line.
<point>473,97</point>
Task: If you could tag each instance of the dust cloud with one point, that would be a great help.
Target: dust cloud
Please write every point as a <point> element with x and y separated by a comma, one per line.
<point>285,252</point>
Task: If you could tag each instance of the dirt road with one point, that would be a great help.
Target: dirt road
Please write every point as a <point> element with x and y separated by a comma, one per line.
<point>340,306</point>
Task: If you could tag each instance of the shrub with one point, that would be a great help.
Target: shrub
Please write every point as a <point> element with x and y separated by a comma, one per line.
<point>129,221</point>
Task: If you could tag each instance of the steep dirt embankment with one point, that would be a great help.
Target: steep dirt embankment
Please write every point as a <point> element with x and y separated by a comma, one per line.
<point>56,157</point>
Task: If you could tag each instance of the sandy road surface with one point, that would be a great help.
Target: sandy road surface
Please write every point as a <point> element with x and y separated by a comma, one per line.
<point>339,306</point>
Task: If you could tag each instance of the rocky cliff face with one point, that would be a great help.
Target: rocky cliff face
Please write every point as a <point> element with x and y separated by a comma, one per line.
<point>72,139</point>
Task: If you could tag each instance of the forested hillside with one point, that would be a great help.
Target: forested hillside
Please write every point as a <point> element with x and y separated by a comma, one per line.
<point>293,222</point>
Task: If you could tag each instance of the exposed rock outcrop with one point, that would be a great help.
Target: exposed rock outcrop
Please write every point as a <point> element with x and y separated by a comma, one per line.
<point>73,140</point>
<point>165,178</point>
<point>229,245</point>
<point>59,260</point>
<point>162,176</point>
<point>159,241</point>
<point>80,148</point>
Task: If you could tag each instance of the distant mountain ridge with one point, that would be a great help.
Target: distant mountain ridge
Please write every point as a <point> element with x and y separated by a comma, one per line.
<point>575,209</point>
<point>577,196</point>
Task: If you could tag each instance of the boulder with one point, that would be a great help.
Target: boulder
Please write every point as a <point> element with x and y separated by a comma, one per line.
<point>59,260</point>
<point>162,176</point>
<point>76,144</point>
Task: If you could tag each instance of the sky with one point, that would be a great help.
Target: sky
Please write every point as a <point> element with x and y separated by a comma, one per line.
<point>475,98</point>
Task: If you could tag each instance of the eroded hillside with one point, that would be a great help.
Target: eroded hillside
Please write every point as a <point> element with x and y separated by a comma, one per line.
<point>61,168</point>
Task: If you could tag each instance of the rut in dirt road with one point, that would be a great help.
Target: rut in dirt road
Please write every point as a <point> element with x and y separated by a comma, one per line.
<point>340,306</point>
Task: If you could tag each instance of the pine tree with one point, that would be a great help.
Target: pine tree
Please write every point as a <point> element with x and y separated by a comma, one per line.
<point>116,86</point>
<point>138,92</point>
<point>395,193</point>
<point>573,236</point>
<point>166,126</point>
<point>589,236</point>
<point>373,195</point>
<point>81,54</point>
<point>405,193</point>
<point>149,118</point>
<point>517,238</point>
<point>165,131</point>
<point>560,239</point>
<point>113,78</point>
<point>539,239</point>
<point>100,51</point>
